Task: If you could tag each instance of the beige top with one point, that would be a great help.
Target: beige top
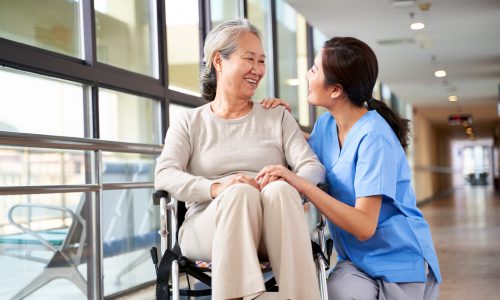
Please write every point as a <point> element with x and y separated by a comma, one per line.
<point>201,149</point>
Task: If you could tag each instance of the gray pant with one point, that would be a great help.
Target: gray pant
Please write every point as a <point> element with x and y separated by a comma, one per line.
<point>348,282</point>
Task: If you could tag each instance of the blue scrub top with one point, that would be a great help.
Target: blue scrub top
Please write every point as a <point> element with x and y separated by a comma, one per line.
<point>372,162</point>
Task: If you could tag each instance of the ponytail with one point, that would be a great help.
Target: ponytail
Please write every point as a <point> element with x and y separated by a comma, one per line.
<point>400,126</point>
<point>208,82</point>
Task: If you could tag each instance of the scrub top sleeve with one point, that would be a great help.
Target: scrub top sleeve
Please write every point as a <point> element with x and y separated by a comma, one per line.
<point>315,137</point>
<point>376,168</point>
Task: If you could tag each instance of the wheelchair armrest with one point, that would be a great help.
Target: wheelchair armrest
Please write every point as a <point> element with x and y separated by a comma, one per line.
<point>33,233</point>
<point>322,186</point>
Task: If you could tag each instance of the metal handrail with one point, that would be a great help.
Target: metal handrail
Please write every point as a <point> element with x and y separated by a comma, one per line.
<point>55,189</point>
<point>47,189</point>
<point>74,143</point>
<point>127,185</point>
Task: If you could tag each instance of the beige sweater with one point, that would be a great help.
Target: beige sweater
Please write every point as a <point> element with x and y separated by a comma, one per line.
<point>201,149</point>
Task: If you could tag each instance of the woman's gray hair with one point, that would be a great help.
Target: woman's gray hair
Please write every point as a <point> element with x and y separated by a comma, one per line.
<point>224,39</point>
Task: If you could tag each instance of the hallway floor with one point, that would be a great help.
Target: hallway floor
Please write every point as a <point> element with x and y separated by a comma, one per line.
<point>466,232</point>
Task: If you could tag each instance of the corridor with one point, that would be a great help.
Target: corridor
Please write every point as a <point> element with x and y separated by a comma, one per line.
<point>466,232</point>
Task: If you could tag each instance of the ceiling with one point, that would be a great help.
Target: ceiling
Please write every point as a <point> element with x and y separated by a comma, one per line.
<point>461,37</point>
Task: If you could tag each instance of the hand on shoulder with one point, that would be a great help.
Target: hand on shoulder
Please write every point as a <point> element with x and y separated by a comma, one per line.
<point>274,102</point>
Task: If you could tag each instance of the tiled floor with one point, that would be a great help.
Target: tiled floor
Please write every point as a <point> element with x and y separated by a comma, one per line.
<point>466,233</point>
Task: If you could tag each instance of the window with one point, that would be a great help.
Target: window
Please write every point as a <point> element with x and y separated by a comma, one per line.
<point>223,10</point>
<point>292,60</point>
<point>52,216</point>
<point>23,166</point>
<point>51,25</point>
<point>130,226</point>
<point>126,35</point>
<point>128,118</point>
<point>259,15</point>
<point>318,40</point>
<point>183,45</point>
<point>38,104</point>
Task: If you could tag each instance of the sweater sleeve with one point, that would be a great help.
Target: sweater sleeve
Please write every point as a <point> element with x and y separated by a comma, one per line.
<point>170,171</point>
<point>298,154</point>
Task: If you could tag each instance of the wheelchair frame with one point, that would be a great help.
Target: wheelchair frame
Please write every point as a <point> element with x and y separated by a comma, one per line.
<point>180,264</point>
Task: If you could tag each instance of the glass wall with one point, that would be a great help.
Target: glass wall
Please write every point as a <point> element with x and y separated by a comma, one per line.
<point>258,12</point>
<point>48,106</point>
<point>53,25</point>
<point>48,218</point>
<point>80,129</point>
<point>223,10</point>
<point>292,60</point>
<point>122,115</point>
<point>319,40</point>
<point>77,159</point>
<point>126,35</point>
<point>183,45</point>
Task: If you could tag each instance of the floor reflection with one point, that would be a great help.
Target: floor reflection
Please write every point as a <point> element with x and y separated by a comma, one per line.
<point>466,232</point>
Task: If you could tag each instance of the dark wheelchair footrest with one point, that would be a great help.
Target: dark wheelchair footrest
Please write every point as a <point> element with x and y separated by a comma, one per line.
<point>195,293</point>
<point>187,266</point>
<point>271,285</point>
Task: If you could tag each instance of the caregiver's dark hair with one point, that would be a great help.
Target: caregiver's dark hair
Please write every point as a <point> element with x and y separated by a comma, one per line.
<point>352,64</point>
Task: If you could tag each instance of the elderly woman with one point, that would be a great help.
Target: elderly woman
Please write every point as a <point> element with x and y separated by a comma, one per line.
<point>211,156</point>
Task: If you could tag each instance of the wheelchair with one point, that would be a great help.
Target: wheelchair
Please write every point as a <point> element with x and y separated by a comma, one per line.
<point>173,264</point>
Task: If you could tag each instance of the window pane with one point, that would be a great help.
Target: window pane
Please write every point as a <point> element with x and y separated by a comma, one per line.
<point>183,45</point>
<point>130,225</point>
<point>39,104</point>
<point>127,35</point>
<point>128,118</point>
<point>223,10</point>
<point>292,64</point>
<point>30,166</point>
<point>127,167</point>
<point>302,71</point>
<point>60,220</point>
<point>52,24</point>
<point>318,40</point>
<point>258,15</point>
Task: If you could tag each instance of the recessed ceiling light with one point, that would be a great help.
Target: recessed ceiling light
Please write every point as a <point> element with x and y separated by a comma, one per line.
<point>453,98</point>
<point>440,73</point>
<point>402,3</point>
<point>417,26</point>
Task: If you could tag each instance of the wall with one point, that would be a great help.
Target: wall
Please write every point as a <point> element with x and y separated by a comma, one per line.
<point>424,158</point>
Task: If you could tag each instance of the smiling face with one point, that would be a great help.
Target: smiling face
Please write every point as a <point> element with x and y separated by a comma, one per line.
<point>318,93</point>
<point>239,75</point>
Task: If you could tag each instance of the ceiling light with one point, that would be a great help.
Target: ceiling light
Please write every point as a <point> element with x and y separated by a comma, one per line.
<point>453,98</point>
<point>417,26</point>
<point>292,81</point>
<point>440,73</point>
<point>402,3</point>
<point>424,6</point>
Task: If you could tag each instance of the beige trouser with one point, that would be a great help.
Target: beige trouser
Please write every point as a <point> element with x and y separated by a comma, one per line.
<point>243,224</point>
